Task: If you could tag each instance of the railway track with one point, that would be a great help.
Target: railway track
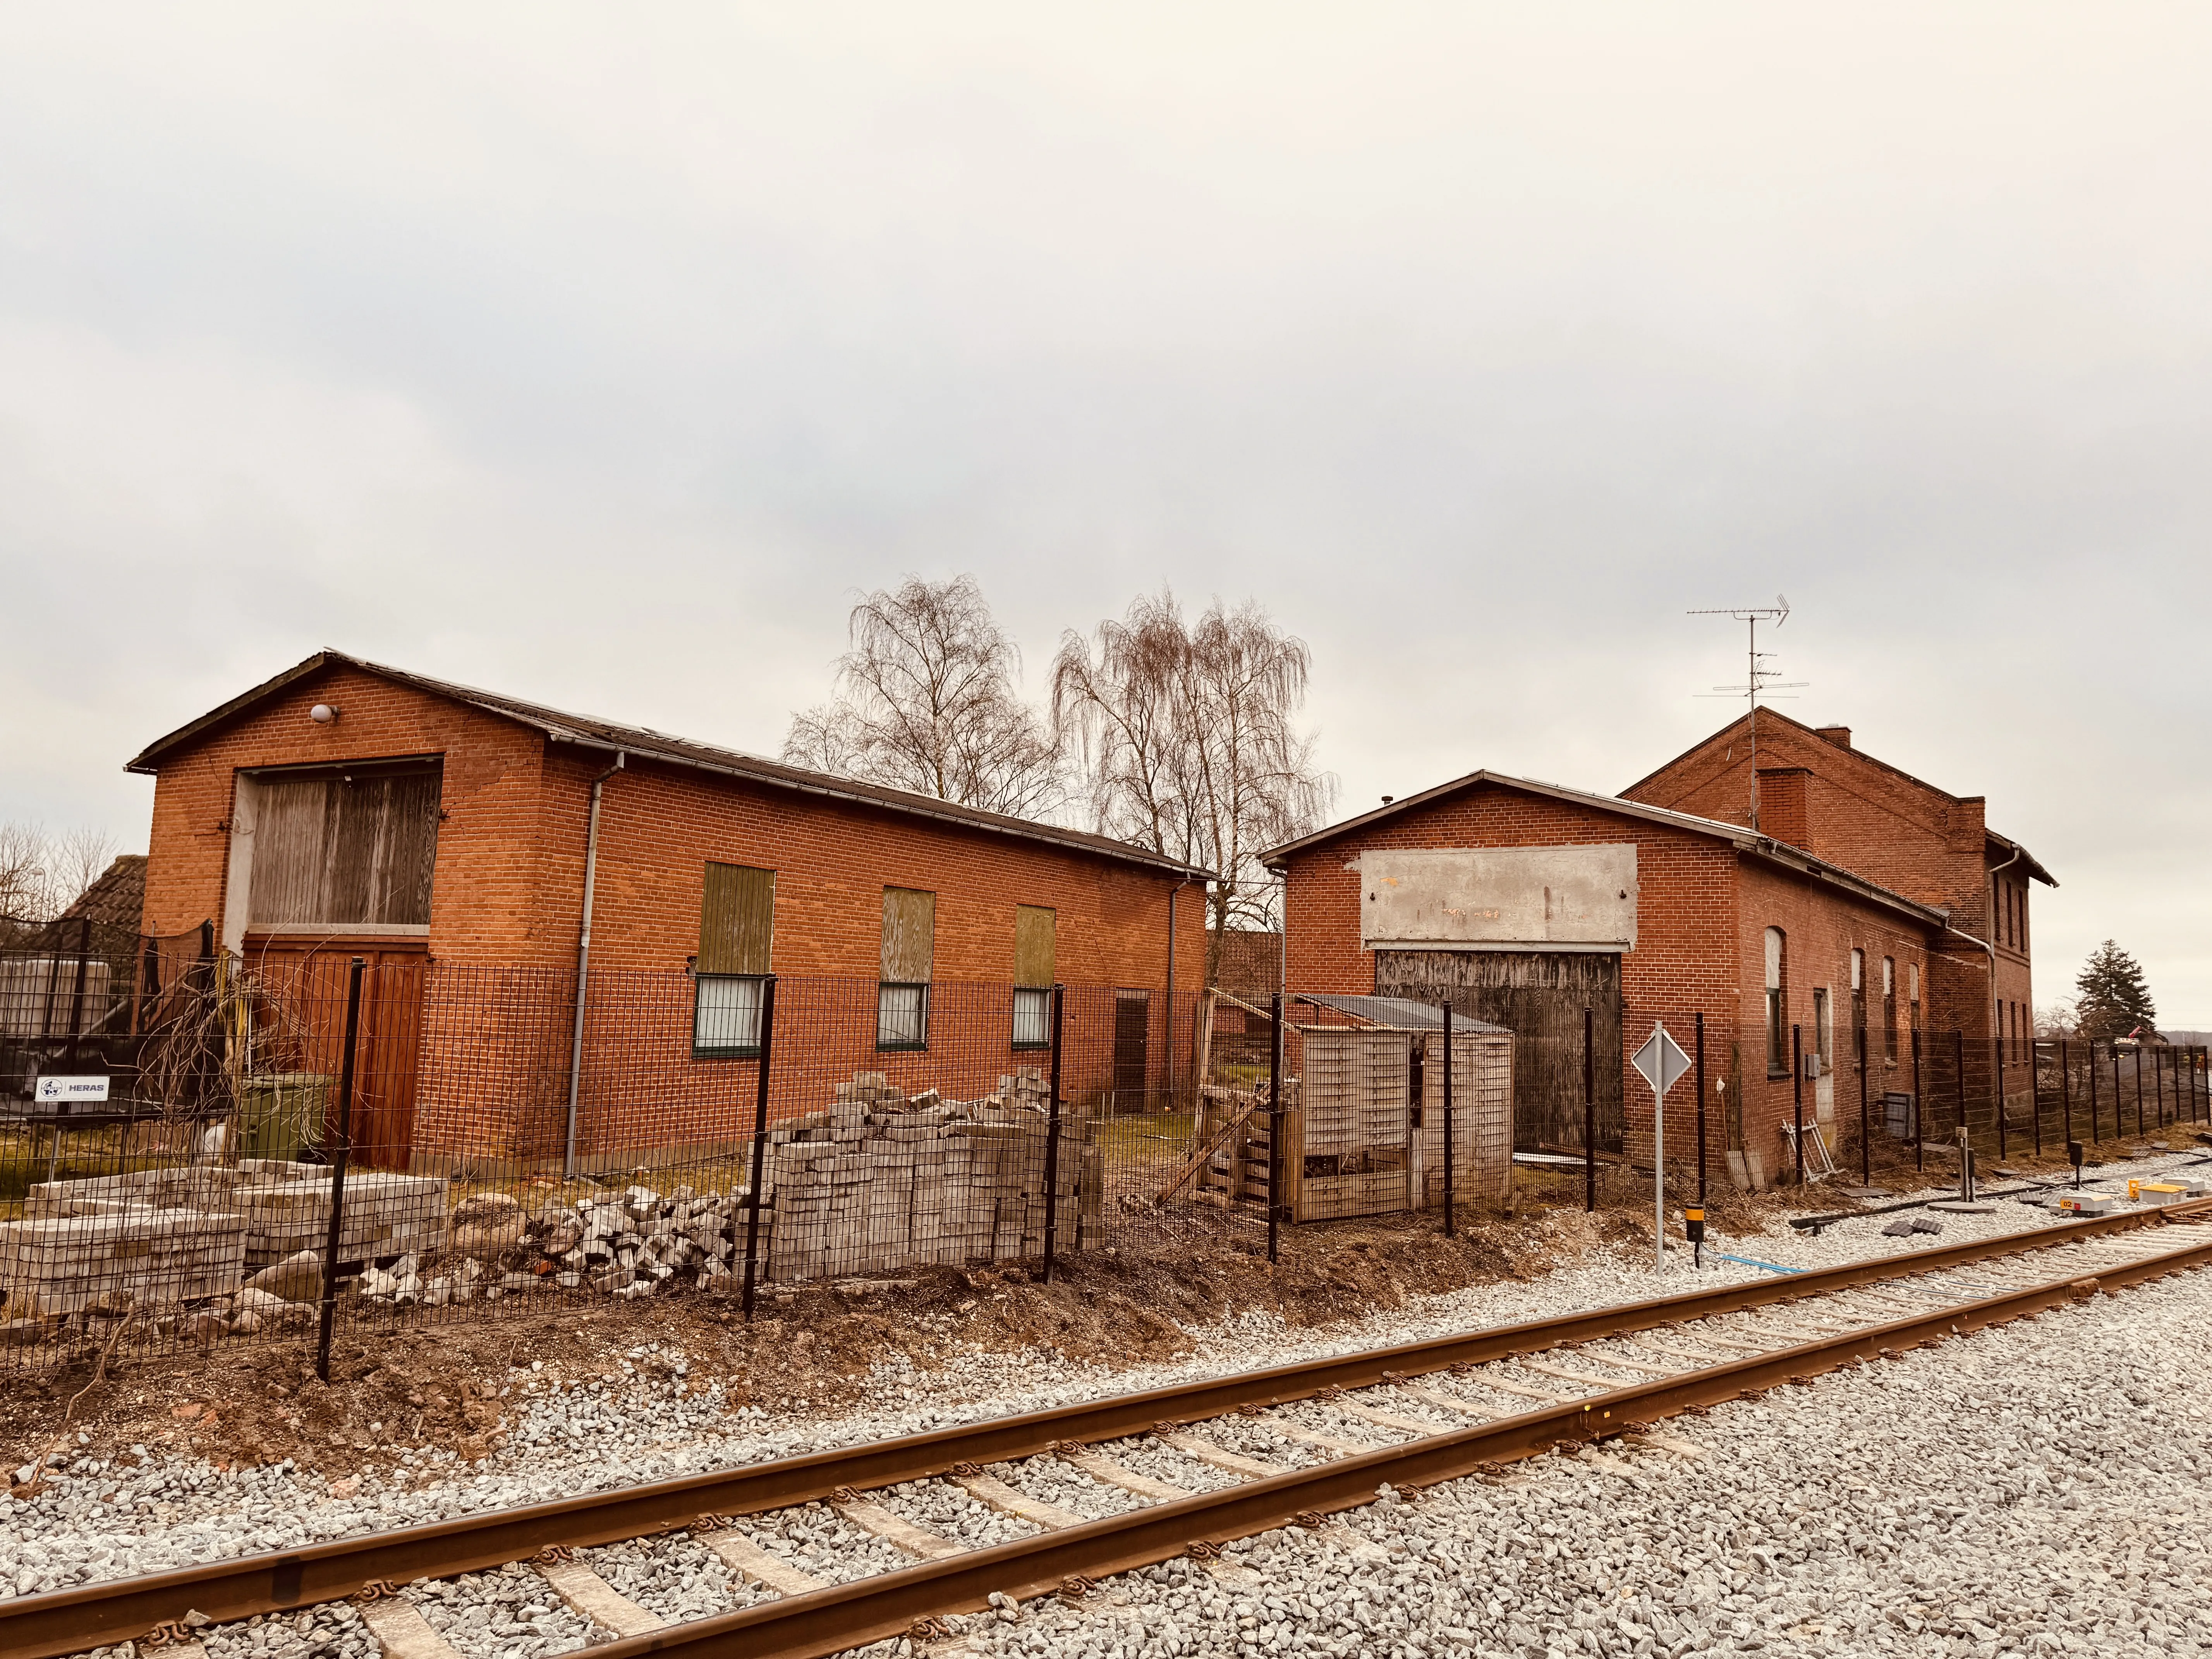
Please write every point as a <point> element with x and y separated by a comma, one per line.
<point>1336,1430</point>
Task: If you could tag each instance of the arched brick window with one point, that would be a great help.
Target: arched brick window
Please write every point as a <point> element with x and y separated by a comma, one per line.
<point>1777,980</point>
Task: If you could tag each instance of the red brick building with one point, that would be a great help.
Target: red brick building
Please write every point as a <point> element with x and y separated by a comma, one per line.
<point>1816,791</point>
<point>1528,904</point>
<point>344,808</point>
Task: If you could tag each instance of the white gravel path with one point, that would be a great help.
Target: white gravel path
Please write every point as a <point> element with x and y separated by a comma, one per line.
<point>104,1519</point>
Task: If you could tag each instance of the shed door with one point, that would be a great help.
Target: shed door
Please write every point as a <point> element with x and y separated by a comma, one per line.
<point>1539,996</point>
<point>1132,1019</point>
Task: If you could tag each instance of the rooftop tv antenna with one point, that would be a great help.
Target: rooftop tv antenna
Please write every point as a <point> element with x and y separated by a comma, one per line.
<point>1757,677</point>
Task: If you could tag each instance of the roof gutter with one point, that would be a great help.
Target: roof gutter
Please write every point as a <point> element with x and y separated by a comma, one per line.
<point>584,960</point>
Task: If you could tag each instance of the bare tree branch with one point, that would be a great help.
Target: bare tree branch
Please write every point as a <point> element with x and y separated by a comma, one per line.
<point>926,700</point>
<point>1187,740</point>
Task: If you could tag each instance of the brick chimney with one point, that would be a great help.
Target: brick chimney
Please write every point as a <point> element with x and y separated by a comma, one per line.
<point>1783,811</point>
<point>1839,735</point>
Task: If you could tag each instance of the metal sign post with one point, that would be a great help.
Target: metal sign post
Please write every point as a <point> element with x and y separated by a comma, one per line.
<point>1660,1063</point>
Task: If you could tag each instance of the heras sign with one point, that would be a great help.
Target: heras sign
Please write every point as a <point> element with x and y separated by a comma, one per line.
<point>1499,898</point>
<point>71,1091</point>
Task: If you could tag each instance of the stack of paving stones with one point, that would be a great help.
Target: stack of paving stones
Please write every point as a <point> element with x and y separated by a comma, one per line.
<point>118,1245</point>
<point>883,1179</point>
<point>176,1247</point>
<point>287,1208</point>
<point>878,1181</point>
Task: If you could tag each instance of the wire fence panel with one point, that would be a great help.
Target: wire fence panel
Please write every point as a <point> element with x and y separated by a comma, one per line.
<point>510,1144</point>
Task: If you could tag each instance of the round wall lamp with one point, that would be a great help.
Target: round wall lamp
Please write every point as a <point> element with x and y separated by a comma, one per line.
<point>322,714</point>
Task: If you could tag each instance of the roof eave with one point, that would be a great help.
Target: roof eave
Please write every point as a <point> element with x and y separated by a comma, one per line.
<point>1020,830</point>
<point>146,760</point>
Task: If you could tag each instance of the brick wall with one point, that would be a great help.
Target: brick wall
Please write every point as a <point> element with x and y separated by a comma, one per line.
<point>1702,912</point>
<point>507,898</point>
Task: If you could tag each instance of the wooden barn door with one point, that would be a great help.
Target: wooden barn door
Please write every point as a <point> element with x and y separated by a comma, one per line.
<point>303,1032</point>
<point>1539,996</point>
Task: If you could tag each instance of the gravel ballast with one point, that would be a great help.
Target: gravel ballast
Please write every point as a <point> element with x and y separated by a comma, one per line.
<point>2039,1488</point>
<point>106,1518</point>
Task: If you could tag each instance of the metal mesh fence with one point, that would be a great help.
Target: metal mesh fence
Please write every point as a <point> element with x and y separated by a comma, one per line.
<point>504,1142</point>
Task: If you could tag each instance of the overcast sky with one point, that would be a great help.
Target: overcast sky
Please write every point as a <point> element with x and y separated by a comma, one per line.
<point>599,354</point>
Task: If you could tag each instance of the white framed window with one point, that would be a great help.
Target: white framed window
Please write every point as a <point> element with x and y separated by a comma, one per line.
<point>726,1017</point>
<point>1032,1018</point>
<point>901,1015</point>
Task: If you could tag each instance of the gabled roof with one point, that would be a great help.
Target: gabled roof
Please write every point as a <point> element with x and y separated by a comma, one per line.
<point>589,732</point>
<point>1765,714</point>
<point>1744,840</point>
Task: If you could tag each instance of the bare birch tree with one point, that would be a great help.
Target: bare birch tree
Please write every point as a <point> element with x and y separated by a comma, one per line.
<point>1188,737</point>
<point>43,873</point>
<point>927,701</point>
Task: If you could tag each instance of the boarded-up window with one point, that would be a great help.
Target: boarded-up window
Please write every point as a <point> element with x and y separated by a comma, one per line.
<point>909,943</point>
<point>353,849</point>
<point>736,933</point>
<point>1034,966</point>
<point>1033,946</point>
<point>737,920</point>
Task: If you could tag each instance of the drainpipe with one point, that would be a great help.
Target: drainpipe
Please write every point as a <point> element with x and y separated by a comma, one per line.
<point>1995,1021</point>
<point>584,960</point>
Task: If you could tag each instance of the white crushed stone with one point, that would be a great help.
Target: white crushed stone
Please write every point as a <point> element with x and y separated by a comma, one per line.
<point>817,1540</point>
<point>2038,1488</point>
<point>502,1613</point>
<point>672,1576</point>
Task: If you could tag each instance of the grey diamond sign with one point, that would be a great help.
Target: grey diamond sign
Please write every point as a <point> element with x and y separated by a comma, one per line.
<point>1661,1060</point>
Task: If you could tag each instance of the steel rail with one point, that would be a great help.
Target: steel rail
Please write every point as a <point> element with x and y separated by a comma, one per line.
<point>829,1621</point>
<point>62,1622</point>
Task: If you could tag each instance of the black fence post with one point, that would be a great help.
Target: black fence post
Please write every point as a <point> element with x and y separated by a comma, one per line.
<point>1052,1139</point>
<point>760,1142</point>
<point>1958,1085</point>
<point>2120,1096</point>
<point>1919,1100</point>
<point>1866,1116</point>
<point>2090,1069</point>
<point>1589,1111</point>
<point>76,997</point>
<point>1797,1091</point>
<point>339,1172</point>
<point>1996,1088</point>
<point>1448,1121</point>
<point>1700,1059</point>
<point>2035,1092</point>
<point>1275,1130</point>
<point>2065,1092</point>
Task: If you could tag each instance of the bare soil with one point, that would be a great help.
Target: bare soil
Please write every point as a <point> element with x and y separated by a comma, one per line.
<point>417,1382</point>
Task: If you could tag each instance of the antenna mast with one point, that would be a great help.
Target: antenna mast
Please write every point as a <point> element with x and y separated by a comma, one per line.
<point>1755,677</point>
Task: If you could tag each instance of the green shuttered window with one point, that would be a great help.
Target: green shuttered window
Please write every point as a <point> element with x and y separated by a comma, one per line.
<point>737,936</point>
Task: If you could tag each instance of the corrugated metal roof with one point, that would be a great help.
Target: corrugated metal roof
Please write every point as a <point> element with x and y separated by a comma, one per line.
<point>590,730</point>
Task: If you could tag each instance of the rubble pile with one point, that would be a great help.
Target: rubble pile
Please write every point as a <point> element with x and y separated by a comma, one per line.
<point>878,1180</point>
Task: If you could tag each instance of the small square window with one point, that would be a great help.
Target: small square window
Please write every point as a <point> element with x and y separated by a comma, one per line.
<point>1032,1019</point>
<point>726,1017</point>
<point>901,1015</point>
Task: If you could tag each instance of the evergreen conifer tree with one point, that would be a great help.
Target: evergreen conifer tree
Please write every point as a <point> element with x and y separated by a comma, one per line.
<point>2113,998</point>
